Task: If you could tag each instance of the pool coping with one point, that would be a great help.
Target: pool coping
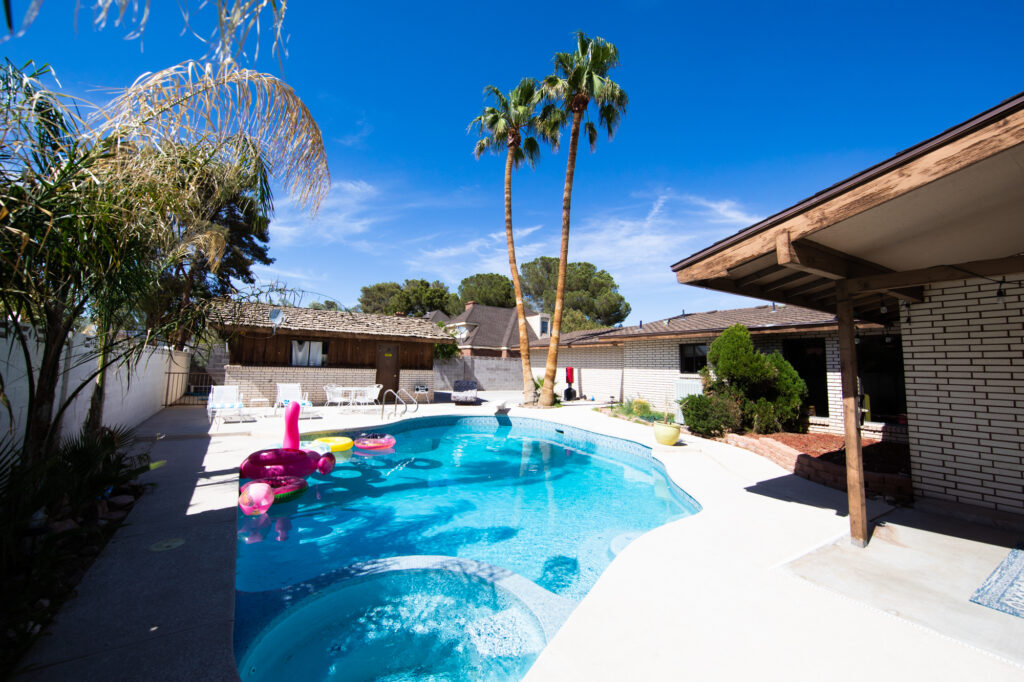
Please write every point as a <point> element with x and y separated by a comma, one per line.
<point>744,541</point>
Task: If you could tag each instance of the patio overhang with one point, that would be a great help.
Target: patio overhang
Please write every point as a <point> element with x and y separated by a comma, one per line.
<point>949,208</point>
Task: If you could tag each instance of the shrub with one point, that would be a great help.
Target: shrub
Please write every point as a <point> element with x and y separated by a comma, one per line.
<point>765,389</point>
<point>710,415</point>
<point>641,408</point>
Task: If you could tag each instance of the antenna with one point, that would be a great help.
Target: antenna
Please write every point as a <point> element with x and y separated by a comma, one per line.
<point>276,318</point>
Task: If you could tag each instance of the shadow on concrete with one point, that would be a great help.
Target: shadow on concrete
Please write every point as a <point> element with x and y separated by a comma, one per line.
<point>158,603</point>
<point>958,521</point>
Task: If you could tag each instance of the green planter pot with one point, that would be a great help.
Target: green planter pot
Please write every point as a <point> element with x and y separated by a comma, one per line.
<point>666,434</point>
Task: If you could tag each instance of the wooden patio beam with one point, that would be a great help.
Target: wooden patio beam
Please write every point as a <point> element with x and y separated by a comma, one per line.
<point>851,418</point>
<point>891,281</point>
<point>816,259</point>
<point>858,195</point>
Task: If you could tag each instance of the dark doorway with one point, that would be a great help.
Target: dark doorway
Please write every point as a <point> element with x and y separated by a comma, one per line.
<point>387,366</point>
<point>880,366</point>
<point>808,359</point>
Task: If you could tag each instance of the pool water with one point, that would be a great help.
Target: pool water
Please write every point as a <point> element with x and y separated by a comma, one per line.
<point>543,502</point>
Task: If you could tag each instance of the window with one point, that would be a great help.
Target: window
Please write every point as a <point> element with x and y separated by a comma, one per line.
<point>692,357</point>
<point>308,354</point>
<point>544,327</point>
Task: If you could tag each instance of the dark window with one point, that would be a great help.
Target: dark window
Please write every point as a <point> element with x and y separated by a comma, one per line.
<point>693,357</point>
<point>543,327</point>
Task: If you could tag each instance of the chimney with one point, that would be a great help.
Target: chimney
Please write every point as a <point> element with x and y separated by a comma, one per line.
<point>682,315</point>
<point>470,304</point>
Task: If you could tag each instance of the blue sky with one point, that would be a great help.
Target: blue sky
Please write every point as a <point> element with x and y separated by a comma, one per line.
<point>737,111</point>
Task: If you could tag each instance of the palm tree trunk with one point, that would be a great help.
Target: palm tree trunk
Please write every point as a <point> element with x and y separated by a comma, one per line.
<point>547,392</point>
<point>524,341</point>
<point>94,418</point>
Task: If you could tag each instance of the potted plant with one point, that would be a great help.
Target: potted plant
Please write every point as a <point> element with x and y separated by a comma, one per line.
<point>665,432</point>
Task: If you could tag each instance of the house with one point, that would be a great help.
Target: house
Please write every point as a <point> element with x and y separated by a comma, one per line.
<point>660,361</point>
<point>930,241</point>
<point>489,331</point>
<point>318,347</point>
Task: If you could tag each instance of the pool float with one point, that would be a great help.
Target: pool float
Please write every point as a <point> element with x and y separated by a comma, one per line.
<point>291,425</point>
<point>285,488</point>
<point>374,441</point>
<point>278,462</point>
<point>255,498</point>
<point>335,443</point>
<point>325,463</point>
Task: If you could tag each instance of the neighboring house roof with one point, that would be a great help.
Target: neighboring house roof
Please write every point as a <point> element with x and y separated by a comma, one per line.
<point>490,327</point>
<point>436,316</point>
<point>759,318</point>
<point>340,322</point>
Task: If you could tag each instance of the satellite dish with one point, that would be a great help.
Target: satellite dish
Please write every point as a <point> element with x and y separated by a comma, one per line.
<point>276,318</point>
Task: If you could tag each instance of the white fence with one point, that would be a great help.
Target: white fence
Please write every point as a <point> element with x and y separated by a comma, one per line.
<point>132,396</point>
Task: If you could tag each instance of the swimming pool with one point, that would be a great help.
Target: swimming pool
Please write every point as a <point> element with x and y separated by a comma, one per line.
<point>456,556</point>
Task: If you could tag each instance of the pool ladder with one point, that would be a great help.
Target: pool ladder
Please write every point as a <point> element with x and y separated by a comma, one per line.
<point>398,399</point>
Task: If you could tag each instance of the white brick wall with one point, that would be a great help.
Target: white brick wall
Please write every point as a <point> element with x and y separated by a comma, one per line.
<point>409,379</point>
<point>651,370</point>
<point>261,382</point>
<point>598,369</point>
<point>964,359</point>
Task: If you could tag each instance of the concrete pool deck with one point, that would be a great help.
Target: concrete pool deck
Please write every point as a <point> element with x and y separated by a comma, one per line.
<point>762,582</point>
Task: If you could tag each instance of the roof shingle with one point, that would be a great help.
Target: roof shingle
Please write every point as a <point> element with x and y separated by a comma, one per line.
<point>329,321</point>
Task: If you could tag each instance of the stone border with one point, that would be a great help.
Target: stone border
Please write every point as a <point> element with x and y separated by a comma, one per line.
<point>897,487</point>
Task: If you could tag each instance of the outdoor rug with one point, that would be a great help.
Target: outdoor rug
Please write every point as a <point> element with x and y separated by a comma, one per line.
<point>1004,589</point>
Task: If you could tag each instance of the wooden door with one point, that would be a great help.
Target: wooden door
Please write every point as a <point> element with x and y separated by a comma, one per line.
<point>387,366</point>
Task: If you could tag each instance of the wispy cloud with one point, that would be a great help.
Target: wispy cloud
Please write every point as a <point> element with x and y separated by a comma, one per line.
<point>635,243</point>
<point>356,139</point>
<point>347,211</point>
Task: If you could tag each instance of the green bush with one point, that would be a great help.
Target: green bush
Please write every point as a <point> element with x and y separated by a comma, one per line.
<point>764,390</point>
<point>710,415</point>
<point>640,407</point>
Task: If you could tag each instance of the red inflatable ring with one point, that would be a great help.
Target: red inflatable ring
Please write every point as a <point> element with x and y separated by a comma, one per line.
<point>277,462</point>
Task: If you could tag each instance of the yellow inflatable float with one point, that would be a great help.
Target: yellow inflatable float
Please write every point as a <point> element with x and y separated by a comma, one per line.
<point>336,443</point>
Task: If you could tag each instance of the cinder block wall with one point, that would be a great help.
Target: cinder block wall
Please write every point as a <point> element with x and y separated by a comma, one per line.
<point>598,369</point>
<point>261,382</point>
<point>964,359</point>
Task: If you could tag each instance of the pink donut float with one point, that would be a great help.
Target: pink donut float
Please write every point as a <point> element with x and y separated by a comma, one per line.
<point>374,441</point>
<point>278,462</point>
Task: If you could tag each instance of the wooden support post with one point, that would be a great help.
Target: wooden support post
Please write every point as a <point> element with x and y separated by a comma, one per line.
<point>851,417</point>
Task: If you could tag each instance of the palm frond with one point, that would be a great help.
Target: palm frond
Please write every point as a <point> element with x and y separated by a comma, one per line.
<point>591,134</point>
<point>193,102</point>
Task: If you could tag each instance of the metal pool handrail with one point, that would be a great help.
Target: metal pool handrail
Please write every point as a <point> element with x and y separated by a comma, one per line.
<point>398,399</point>
<point>416,403</point>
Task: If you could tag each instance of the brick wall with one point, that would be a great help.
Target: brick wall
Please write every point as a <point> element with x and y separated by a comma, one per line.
<point>261,382</point>
<point>598,369</point>
<point>409,379</point>
<point>964,363</point>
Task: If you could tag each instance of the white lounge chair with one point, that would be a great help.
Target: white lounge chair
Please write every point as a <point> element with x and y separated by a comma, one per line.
<point>292,393</point>
<point>224,401</point>
<point>464,392</point>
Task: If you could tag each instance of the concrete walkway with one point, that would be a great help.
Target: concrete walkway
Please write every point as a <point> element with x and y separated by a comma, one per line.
<point>762,582</point>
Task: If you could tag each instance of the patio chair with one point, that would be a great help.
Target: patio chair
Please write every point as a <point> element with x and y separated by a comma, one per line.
<point>289,393</point>
<point>224,401</point>
<point>464,392</point>
<point>367,395</point>
<point>335,394</point>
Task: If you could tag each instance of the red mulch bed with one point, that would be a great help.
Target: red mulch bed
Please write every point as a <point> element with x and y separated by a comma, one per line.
<point>879,456</point>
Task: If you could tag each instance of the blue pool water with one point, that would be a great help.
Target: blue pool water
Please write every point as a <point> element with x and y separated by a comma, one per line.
<point>518,516</point>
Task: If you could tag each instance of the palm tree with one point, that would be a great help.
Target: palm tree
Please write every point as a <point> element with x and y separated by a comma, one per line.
<point>511,125</point>
<point>580,77</point>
